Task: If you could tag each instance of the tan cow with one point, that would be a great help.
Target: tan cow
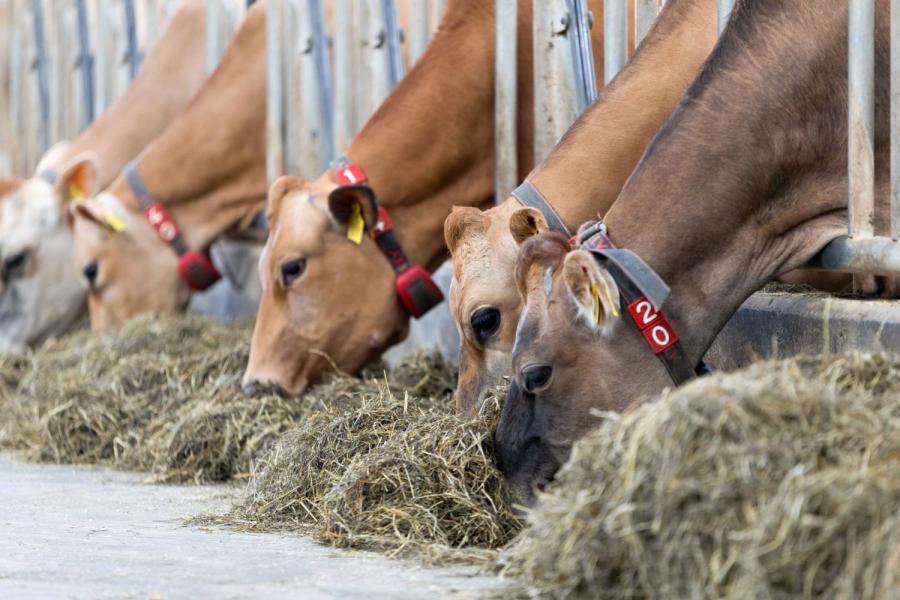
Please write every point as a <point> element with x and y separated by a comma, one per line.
<point>753,169</point>
<point>204,175</point>
<point>40,295</point>
<point>483,298</point>
<point>329,301</point>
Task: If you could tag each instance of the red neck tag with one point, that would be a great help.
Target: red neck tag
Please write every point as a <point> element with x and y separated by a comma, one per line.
<point>162,222</point>
<point>384,223</point>
<point>351,174</point>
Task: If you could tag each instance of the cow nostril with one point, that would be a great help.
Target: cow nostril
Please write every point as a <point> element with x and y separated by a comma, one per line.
<point>536,377</point>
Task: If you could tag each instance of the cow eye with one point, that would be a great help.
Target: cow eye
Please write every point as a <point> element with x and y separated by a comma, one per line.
<point>292,270</point>
<point>15,263</point>
<point>485,323</point>
<point>90,272</point>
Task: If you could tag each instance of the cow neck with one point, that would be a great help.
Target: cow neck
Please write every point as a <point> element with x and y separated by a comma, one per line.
<point>168,79</point>
<point>609,139</point>
<point>429,146</point>
<point>208,167</point>
<point>717,216</point>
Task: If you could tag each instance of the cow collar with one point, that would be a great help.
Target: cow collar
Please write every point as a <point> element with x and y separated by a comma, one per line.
<point>194,267</point>
<point>643,292</point>
<point>415,288</point>
<point>530,196</point>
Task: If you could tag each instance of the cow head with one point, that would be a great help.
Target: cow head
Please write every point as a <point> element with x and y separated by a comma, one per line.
<point>126,267</point>
<point>569,317</point>
<point>484,301</point>
<point>327,301</point>
<point>40,296</point>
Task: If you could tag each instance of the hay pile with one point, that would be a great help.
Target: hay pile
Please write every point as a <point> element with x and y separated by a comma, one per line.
<point>396,473</point>
<point>780,481</point>
<point>161,395</point>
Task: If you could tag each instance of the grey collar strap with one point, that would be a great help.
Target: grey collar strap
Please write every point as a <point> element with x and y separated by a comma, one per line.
<point>137,186</point>
<point>529,196</point>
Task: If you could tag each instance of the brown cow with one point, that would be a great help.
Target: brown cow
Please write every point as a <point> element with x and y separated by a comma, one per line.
<point>483,298</point>
<point>752,168</point>
<point>328,301</point>
<point>208,172</point>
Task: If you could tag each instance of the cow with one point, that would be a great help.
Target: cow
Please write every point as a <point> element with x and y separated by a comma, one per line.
<point>333,302</point>
<point>746,180</point>
<point>40,295</point>
<point>141,244</point>
<point>579,183</point>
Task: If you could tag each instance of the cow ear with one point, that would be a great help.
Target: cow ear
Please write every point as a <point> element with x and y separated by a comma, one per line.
<point>52,157</point>
<point>277,193</point>
<point>79,179</point>
<point>342,203</point>
<point>462,222</point>
<point>594,291</point>
<point>525,223</point>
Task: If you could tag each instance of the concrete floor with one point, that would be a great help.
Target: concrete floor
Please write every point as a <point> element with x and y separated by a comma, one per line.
<point>73,532</point>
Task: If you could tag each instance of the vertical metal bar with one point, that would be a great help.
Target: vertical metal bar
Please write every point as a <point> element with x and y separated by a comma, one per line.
<point>104,65</point>
<point>43,74</point>
<point>419,28</point>
<point>555,103</point>
<point>579,33</point>
<point>895,120</point>
<point>506,174</point>
<point>724,7</point>
<point>344,39</point>
<point>645,13</point>
<point>212,34</point>
<point>85,63</point>
<point>861,118</point>
<point>274,92</point>
<point>615,37</point>
<point>439,9</point>
<point>323,83</point>
<point>394,40</point>
<point>134,51</point>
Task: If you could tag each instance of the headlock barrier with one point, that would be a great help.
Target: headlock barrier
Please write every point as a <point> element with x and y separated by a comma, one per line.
<point>331,63</point>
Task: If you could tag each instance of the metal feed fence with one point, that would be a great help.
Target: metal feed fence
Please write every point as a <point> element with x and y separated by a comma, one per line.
<point>64,62</point>
<point>564,87</point>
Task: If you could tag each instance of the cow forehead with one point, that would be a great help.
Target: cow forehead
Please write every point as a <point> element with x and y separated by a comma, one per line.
<point>302,224</point>
<point>31,209</point>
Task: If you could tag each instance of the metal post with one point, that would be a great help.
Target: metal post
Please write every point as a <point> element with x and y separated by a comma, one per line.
<point>274,92</point>
<point>506,174</point>
<point>861,118</point>
<point>615,37</point>
<point>582,56</point>
<point>213,22</point>
<point>43,73</point>
<point>725,7</point>
<point>394,40</point>
<point>344,40</point>
<point>645,13</point>
<point>134,51</point>
<point>85,64</point>
<point>324,116</point>
<point>895,119</point>
<point>419,28</point>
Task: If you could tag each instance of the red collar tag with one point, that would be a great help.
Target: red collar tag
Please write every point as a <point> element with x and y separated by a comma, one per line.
<point>350,174</point>
<point>384,223</point>
<point>657,332</point>
<point>197,271</point>
<point>159,218</point>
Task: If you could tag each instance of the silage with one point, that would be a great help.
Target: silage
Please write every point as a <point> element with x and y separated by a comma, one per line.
<point>782,480</point>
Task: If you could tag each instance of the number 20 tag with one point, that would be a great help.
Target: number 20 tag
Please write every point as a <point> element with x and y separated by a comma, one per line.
<point>657,332</point>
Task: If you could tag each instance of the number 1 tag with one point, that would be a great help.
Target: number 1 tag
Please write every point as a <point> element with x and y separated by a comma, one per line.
<point>356,225</point>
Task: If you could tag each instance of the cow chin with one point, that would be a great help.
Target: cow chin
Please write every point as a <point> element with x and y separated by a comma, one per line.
<point>526,459</point>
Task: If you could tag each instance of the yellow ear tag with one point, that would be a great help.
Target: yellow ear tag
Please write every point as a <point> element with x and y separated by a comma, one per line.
<point>75,193</point>
<point>356,225</point>
<point>114,222</point>
<point>596,296</point>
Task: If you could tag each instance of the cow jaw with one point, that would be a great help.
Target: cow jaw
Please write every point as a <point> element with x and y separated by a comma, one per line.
<point>319,322</point>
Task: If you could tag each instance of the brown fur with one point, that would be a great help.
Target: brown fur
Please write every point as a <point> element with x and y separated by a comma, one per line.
<point>752,165</point>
